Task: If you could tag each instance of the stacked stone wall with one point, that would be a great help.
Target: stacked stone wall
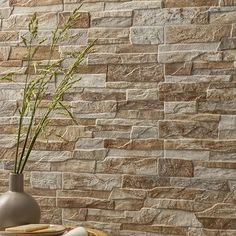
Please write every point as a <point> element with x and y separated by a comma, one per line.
<point>154,151</point>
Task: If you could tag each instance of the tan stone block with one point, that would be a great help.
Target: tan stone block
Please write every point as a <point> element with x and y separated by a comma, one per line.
<point>91,181</point>
<point>222,16</point>
<point>74,166</point>
<point>102,94</point>
<point>134,144</point>
<point>89,154</point>
<point>220,210</point>
<point>94,107</point>
<point>216,107</point>
<point>128,205</point>
<point>84,203</point>
<point>199,79</point>
<point>200,183</point>
<point>210,145</point>
<point>111,19</point>
<point>147,35</point>
<point>122,194</point>
<point>72,214</point>
<point>227,127</point>
<point>165,16</point>
<point>31,3</point>
<point>51,214</point>
<point>183,205</point>
<point>90,6</point>
<point>109,35</point>
<point>130,165</point>
<point>131,73</point>
<point>14,22</point>
<point>144,182</point>
<point>193,3</point>
<point>83,20</point>
<point>139,105</point>
<point>142,132</point>
<point>100,194</point>
<point>121,6</point>
<point>197,33</point>
<point>142,94</point>
<point>48,180</point>
<point>218,173</point>
<point>175,168</point>
<point>46,201</point>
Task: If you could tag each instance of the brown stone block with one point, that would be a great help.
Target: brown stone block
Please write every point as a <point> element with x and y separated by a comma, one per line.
<point>141,114</point>
<point>134,144</point>
<point>84,203</point>
<point>144,182</point>
<point>188,129</point>
<point>140,105</point>
<point>128,205</point>
<point>136,73</point>
<point>192,3</point>
<point>83,20</point>
<point>175,168</point>
<point>218,223</point>
<point>182,91</point>
<point>92,69</point>
<point>184,68</point>
<point>20,53</point>
<point>9,36</point>
<point>136,48</point>
<point>11,63</point>
<point>197,33</point>
<point>174,193</point>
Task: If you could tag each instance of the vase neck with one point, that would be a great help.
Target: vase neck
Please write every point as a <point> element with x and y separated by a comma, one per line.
<point>16,182</point>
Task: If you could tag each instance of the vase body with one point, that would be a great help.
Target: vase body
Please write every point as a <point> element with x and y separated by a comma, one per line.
<point>16,206</point>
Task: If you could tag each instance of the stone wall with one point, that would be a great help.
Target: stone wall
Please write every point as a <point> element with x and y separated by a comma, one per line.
<point>154,151</point>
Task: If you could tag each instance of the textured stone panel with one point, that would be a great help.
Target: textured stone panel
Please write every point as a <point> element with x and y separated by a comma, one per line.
<point>170,16</point>
<point>195,33</point>
<point>147,35</point>
<point>175,167</point>
<point>193,3</point>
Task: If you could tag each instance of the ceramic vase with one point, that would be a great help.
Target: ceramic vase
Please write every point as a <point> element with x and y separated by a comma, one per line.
<point>16,206</point>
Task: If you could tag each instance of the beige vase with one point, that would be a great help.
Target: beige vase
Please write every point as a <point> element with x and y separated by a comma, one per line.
<point>16,206</point>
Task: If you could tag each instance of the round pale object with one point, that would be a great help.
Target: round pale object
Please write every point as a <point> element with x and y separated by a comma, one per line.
<point>79,231</point>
